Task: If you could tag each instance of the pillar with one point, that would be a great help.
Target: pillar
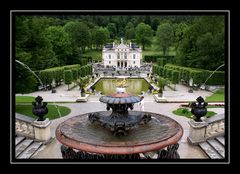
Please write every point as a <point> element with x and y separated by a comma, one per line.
<point>42,130</point>
<point>197,132</point>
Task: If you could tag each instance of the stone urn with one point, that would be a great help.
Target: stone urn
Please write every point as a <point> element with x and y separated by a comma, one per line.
<point>199,109</point>
<point>39,108</point>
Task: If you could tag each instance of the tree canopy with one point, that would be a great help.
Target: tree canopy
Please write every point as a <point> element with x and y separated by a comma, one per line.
<point>203,43</point>
<point>47,41</point>
<point>165,36</point>
<point>143,34</point>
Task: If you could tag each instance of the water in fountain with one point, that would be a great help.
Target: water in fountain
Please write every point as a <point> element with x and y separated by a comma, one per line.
<point>40,81</point>
<point>203,85</point>
<point>27,67</point>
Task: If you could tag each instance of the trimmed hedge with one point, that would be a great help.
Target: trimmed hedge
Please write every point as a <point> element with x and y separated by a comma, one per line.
<point>67,67</point>
<point>68,77</point>
<point>153,58</point>
<point>216,78</point>
<point>83,61</point>
<point>57,73</point>
<point>46,76</point>
<point>175,76</point>
<point>199,76</point>
<point>157,70</point>
<point>161,61</point>
<point>88,58</point>
<point>75,74</point>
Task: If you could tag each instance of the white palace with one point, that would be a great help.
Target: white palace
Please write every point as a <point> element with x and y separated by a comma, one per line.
<point>122,55</point>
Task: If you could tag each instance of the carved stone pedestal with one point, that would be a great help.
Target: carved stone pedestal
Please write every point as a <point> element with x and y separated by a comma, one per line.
<point>83,99</point>
<point>196,132</point>
<point>159,99</point>
<point>42,130</point>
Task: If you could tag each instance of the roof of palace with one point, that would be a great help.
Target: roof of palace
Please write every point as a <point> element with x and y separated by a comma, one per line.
<point>121,46</point>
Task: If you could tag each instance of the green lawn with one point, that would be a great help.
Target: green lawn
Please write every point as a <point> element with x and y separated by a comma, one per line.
<point>218,96</point>
<point>52,111</point>
<point>95,54</point>
<point>154,49</point>
<point>187,113</point>
<point>25,99</point>
<point>150,52</point>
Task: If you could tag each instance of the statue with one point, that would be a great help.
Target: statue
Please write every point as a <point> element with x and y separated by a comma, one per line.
<point>122,84</point>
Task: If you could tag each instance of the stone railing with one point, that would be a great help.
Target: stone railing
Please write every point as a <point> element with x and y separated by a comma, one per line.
<point>207,129</point>
<point>31,128</point>
<point>23,126</point>
<point>215,126</point>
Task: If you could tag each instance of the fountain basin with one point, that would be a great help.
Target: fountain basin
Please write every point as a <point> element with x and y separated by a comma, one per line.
<point>108,85</point>
<point>78,133</point>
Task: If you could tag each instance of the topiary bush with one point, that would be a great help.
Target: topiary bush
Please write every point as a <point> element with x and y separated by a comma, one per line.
<point>68,77</point>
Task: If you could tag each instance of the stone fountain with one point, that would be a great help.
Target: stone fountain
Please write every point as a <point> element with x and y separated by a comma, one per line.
<point>120,133</point>
<point>120,121</point>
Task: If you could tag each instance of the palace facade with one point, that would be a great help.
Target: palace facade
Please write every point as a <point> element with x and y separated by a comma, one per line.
<point>122,55</point>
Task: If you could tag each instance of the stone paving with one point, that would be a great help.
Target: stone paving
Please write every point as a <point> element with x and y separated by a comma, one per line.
<point>63,95</point>
<point>185,150</point>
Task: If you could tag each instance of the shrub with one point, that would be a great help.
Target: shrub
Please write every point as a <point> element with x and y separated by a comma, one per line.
<point>160,70</point>
<point>175,77</point>
<point>161,61</point>
<point>199,75</point>
<point>75,74</point>
<point>162,83</point>
<point>218,78</point>
<point>169,74</point>
<point>57,74</point>
<point>83,61</point>
<point>46,76</point>
<point>68,77</point>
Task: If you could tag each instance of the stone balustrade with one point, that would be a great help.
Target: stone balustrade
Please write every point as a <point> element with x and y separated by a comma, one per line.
<point>23,126</point>
<point>215,126</point>
<point>31,128</point>
<point>207,129</point>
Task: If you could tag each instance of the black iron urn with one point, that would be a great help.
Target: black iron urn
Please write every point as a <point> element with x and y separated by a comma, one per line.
<point>39,108</point>
<point>199,109</point>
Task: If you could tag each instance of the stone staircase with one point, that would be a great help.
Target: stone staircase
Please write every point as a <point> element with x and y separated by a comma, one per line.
<point>25,148</point>
<point>214,148</point>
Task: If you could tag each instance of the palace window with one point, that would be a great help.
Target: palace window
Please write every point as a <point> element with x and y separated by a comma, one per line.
<point>118,55</point>
<point>109,62</point>
<point>109,56</point>
<point>134,56</point>
<point>125,55</point>
<point>133,62</point>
